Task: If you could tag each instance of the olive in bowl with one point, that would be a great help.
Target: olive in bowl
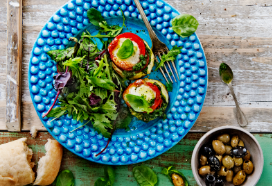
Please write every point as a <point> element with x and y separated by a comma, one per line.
<point>240,162</point>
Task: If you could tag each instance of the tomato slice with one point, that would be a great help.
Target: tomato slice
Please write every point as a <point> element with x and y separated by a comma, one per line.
<point>158,101</point>
<point>132,37</point>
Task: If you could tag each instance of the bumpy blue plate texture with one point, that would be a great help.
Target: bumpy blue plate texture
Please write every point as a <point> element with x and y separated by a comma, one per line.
<point>144,140</point>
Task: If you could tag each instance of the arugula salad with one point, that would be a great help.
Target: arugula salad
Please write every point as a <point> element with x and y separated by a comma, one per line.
<point>90,82</point>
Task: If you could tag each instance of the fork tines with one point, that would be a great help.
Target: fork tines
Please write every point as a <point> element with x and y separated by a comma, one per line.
<point>166,70</point>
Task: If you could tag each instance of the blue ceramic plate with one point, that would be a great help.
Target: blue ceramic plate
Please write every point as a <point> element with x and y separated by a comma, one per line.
<point>144,140</point>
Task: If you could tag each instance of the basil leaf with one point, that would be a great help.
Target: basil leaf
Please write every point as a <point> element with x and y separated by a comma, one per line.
<point>65,178</point>
<point>184,25</point>
<point>110,174</point>
<point>109,178</point>
<point>94,16</point>
<point>138,103</point>
<point>126,50</point>
<point>145,176</point>
<point>170,56</point>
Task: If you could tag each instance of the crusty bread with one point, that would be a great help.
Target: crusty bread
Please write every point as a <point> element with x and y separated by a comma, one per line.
<point>49,165</point>
<point>15,164</point>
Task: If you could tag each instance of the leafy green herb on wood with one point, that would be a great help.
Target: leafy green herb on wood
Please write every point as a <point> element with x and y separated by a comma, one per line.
<point>145,176</point>
<point>65,178</point>
<point>170,56</point>
<point>108,179</point>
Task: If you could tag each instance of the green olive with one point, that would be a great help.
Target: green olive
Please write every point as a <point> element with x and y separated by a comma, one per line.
<point>228,162</point>
<point>223,171</point>
<point>239,178</point>
<point>248,167</point>
<point>204,170</point>
<point>241,143</point>
<point>218,147</point>
<point>234,141</point>
<point>247,156</point>
<point>225,138</point>
<point>228,149</point>
<point>177,180</point>
<point>229,176</point>
<point>219,157</point>
<point>237,169</point>
<point>238,161</point>
<point>203,160</point>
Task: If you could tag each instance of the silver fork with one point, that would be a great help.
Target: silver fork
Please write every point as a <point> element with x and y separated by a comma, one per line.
<point>158,47</point>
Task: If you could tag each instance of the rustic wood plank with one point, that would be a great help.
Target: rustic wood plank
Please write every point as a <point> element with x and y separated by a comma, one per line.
<point>14,65</point>
<point>235,32</point>
<point>86,172</point>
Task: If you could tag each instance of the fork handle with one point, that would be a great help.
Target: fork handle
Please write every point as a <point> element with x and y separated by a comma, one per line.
<point>146,22</point>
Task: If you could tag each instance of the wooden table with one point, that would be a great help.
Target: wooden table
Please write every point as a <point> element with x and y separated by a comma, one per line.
<point>235,32</point>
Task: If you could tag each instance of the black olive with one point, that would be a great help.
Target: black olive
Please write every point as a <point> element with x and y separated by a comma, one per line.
<point>214,162</point>
<point>209,180</point>
<point>239,152</point>
<point>219,182</point>
<point>207,150</point>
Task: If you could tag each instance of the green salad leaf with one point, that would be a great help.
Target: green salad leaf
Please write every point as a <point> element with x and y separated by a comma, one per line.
<point>65,178</point>
<point>108,179</point>
<point>126,49</point>
<point>170,170</point>
<point>138,103</point>
<point>170,56</point>
<point>92,94</point>
<point>94,16</point>
<point>105,30</point>
<point>184,25</point>
<point>145,176</point>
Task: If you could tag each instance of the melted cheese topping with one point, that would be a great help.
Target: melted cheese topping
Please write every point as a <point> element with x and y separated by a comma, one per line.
<point>132,60</point>
<point>143,90</point>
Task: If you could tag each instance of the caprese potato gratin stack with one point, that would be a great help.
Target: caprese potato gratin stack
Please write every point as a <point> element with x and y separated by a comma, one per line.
<point>131,56</point>
<point>132,59</point>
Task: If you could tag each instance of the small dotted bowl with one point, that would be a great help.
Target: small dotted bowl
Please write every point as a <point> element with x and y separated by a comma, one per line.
<point>250,143</point>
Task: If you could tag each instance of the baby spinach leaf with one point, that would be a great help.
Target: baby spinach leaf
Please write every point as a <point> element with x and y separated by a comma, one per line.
<point>126,49</point>
<point>170,170</point>
<point>94,16</point>
<point>109,178</point>
<point>65,178</point>
<point>184,25</point>
<point>170,56</point>
<point>145,176</point>
<point>138,103</point>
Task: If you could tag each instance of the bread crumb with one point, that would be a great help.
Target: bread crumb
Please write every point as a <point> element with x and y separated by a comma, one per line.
<point>33,131</point>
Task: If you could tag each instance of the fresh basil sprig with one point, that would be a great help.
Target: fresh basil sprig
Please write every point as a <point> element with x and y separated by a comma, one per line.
<point>108,179</point>
<point>170,56</point>
<point>65,178</point>
<point>126,49</point>
<point>145,176</point>
<point>138,103</point>
<point>170,170</point>
<point>184,25</point>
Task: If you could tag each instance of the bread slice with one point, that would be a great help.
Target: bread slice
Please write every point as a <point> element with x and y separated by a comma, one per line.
<point>49,165</point>
<point>15,164</point>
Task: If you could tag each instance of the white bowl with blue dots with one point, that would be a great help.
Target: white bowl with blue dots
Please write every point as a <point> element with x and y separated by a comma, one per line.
<point>144,140</point>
